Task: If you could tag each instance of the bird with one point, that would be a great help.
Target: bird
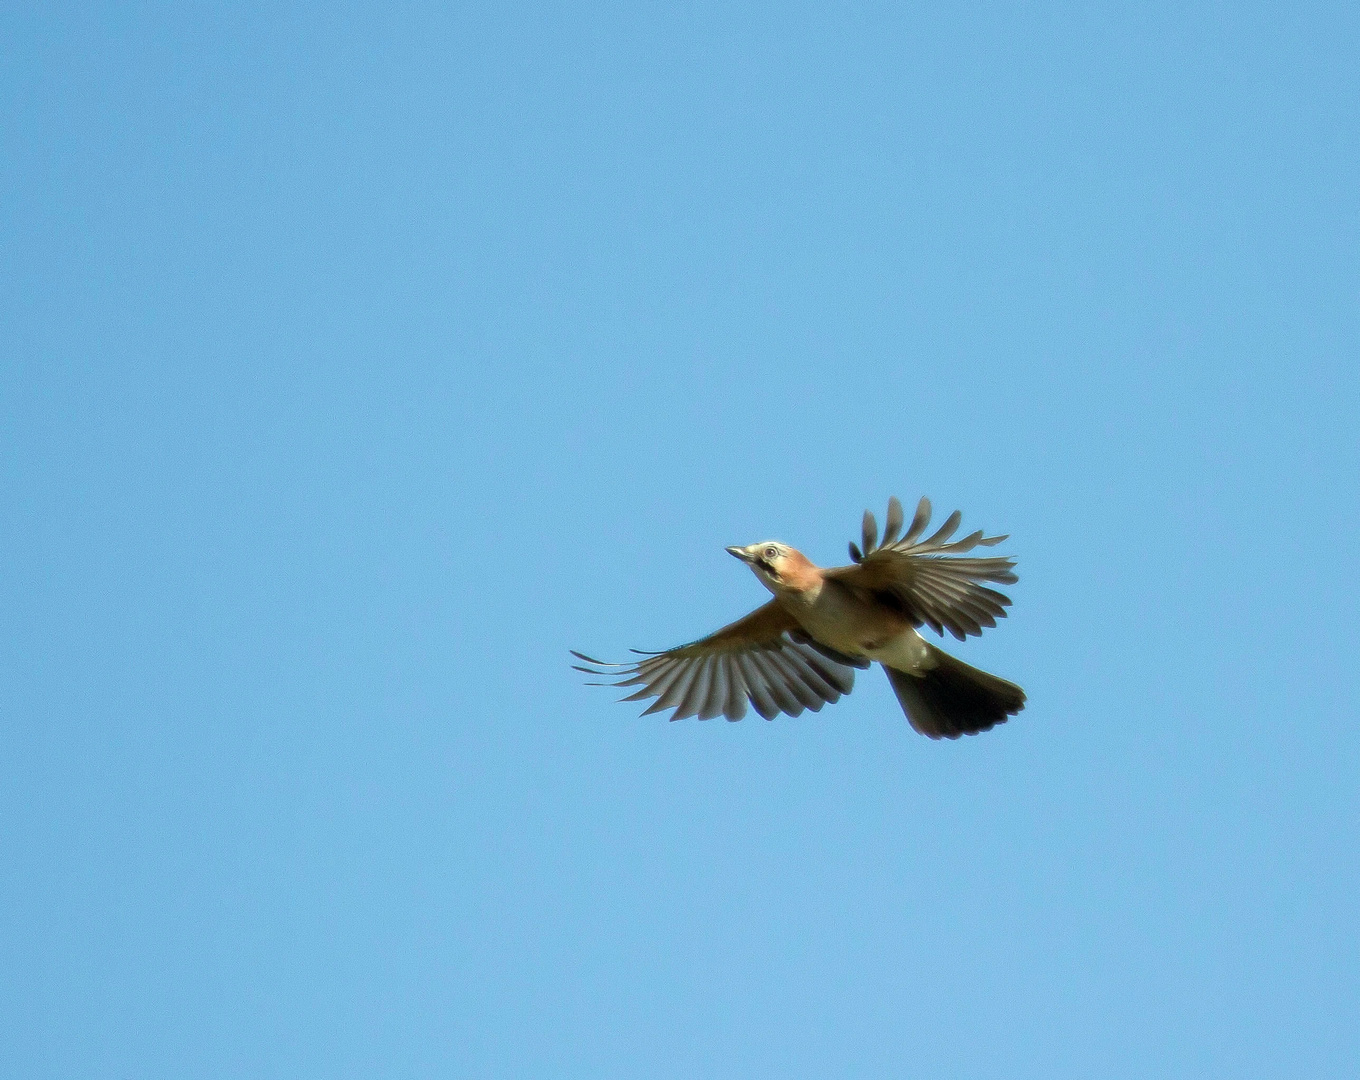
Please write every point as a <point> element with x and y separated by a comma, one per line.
<point>801,649</point>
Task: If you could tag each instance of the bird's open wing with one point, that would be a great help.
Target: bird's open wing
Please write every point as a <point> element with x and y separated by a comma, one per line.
<point>927,580</point>
<point>762,658</point>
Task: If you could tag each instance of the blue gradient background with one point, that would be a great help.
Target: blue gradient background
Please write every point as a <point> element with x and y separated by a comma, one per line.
<point>359,361</point>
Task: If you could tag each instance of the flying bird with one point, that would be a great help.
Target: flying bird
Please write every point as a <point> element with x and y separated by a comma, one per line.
<point>800,650</point>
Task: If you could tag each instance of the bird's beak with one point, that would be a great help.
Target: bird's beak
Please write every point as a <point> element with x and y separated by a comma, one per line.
<point>740,553</point>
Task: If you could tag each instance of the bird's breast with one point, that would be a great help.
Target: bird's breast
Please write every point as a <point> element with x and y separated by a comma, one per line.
<point>846,621</point>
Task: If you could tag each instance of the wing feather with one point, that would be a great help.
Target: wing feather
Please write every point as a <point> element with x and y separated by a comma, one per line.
<point>919,521</point>
<point>677,691</point>
<point>757,690</point>
<point>778,683</point>
<point>799,681</point>
<point>698,690</point>
<point>933,581</point>
<point>800,660</point>
<point>893,525</point>
<point>716,698</point>
<point>734,707</point>
<point>659,686</point>
<point>763,659</point>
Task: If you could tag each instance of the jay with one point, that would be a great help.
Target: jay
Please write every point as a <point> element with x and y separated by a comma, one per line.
<point>800,650</point>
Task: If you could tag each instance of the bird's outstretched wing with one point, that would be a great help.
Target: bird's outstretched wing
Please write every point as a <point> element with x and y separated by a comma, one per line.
<point>927,580</point>
<point>763,658</point>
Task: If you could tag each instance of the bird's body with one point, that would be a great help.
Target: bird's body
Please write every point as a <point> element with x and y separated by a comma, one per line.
<point>849,622</point>
<point>799,650</point>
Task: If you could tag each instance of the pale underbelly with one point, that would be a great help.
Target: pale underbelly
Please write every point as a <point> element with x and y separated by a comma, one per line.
<point>838,621</point>
<point>908,652</point>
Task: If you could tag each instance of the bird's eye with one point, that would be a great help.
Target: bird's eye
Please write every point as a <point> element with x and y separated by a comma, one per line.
<point>771,553</point>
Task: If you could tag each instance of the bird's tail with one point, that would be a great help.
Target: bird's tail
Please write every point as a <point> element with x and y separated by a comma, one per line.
<point>953,698</point>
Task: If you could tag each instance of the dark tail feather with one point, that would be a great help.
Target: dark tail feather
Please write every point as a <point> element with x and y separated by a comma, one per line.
<point>953,699</point>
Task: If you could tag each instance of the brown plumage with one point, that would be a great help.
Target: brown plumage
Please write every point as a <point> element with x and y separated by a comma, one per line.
<point>800,649</point>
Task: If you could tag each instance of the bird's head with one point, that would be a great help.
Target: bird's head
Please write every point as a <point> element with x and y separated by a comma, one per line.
<point>777,565</point>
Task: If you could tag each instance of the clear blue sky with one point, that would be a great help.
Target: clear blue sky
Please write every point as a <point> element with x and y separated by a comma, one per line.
<point>359,361</point>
